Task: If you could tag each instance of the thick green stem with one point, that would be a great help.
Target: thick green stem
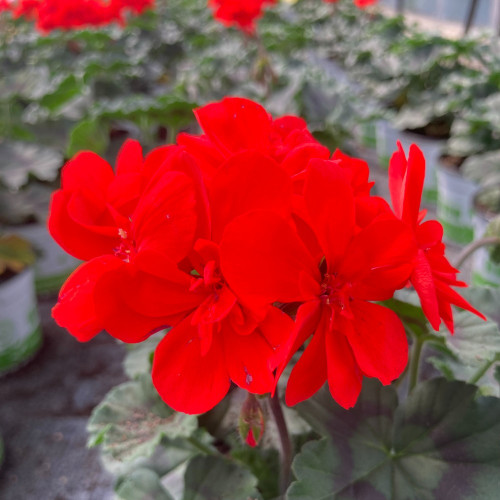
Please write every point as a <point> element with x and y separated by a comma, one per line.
<point>416,351</point>
<point>286,443</point>
<point>482,371</point>
<point>470,249</point>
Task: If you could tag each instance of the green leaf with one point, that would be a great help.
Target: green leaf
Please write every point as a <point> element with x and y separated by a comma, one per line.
<point>475,341</point>
<point>132,420</point>
<point>142,484</point>
<point>138,358</point>
<point>442,442</point>
<point>88,135</point>
<point>210,478</point>
<point>65,90</point>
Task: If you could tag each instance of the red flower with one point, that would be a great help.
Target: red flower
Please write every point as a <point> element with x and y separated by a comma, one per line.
<point>224,336</point>
<point>63,14</point>
<point>239,13</point>
<point>433,275</point>
<point>134,232</point>
<point>237,124</point>
<point>364,3</point>
<point>351,337</point>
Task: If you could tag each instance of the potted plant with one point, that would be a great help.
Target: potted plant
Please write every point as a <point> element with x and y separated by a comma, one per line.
<point>466,166</point>
<point>20,333</point>
<point>26,173</point>
<point>486,259</point>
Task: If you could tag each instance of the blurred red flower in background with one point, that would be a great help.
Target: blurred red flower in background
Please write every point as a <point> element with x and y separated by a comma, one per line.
<point>63,14</point>
<point>240,13</point>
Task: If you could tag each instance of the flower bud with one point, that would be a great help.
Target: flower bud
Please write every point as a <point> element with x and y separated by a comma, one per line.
<point>251,423</point>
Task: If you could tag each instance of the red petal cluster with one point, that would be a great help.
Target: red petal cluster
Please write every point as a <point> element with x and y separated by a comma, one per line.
<point>218,235</point>
<point>240,13</point>
<point>63,14</point>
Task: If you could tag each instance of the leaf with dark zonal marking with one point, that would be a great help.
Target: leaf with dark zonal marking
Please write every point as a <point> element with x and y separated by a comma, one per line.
<point>442,442</point>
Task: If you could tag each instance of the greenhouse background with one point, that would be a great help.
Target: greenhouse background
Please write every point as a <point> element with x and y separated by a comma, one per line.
<point>86,415</point>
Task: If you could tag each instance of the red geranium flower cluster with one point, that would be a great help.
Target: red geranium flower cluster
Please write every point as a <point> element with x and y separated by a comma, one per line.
<point>220,234</point>
<point>62,14</point>
<point>240,13</point>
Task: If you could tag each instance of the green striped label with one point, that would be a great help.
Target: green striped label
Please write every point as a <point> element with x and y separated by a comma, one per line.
<point>20,352</point>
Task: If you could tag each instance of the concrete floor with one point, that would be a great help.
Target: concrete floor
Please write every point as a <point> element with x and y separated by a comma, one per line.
<point>44,409</point>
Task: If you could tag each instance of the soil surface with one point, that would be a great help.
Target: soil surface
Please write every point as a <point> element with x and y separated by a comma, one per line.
<point>44,408</point>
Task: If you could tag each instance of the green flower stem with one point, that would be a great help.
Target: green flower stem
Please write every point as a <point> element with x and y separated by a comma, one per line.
<point>470,249</point>
<point>416,351</point>
<point>482,371</point>
<point>286,443</point>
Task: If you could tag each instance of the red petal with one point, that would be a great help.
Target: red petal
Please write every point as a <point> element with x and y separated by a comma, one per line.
<point>330,204</point>
<point>285,125</point>
<point>413,185</point>
<point>75,309</point>
<point>270,272</point>
<point>207,156</point>
<point>87,171</point>
<point>380,257</point>
<point>235,124</point>
<point>310,371</point>
<point>429,233</point>
<point>248,360</point>
<point>165,219</point>
<point>276,328</point>
<point>215,307</point>
<point>445,293</point>
<point>147,295</point>
<point>177,160</point>
<point>82,242</point>
<point>186,380</point>
<point>129,158</point>
<point>297,159</point>
<point>248,181</point>
<point>423,281</point>
<point>124,192</point>
<point>397,171</point>
<point>378,341</point>
<point>306,322</point>
<point>344,376</point>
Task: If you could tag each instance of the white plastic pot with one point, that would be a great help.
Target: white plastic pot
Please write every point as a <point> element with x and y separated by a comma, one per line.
<point>484,270</point>
<point>386,141</point>
<point>53,264</point>
<point>455,205</point>
<point>20,332</point>
<point>366,133</point>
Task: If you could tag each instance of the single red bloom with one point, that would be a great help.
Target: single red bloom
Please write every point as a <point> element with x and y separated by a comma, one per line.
<point>364,3</point>
<point>351,336</point>
<point>240,13</point>
<point>433,275</point>
<point>133,233</point>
